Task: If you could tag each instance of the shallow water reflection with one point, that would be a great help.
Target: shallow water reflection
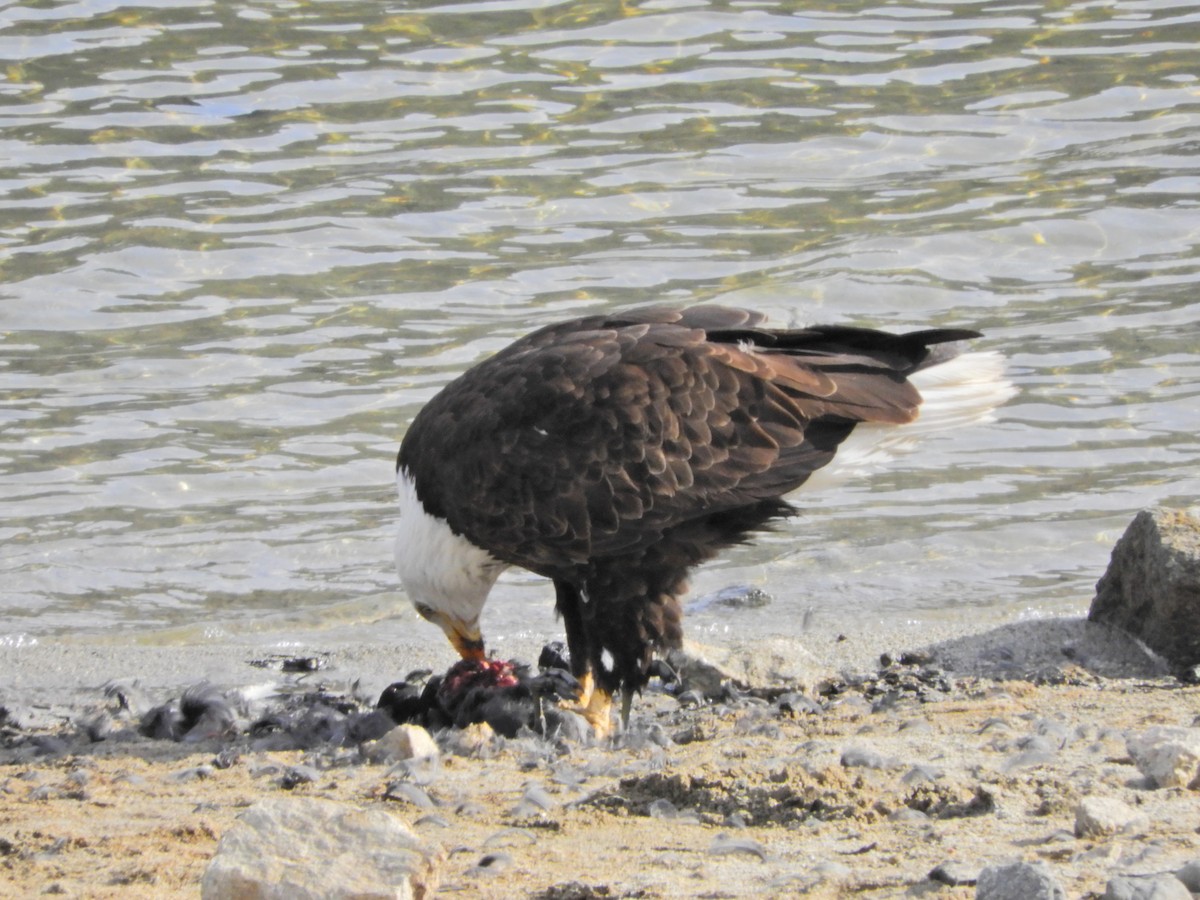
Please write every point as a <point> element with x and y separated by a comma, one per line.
<point>243,242</point>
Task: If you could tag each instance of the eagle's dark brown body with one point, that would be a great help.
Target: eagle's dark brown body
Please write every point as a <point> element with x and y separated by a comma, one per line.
<point>613,453</point>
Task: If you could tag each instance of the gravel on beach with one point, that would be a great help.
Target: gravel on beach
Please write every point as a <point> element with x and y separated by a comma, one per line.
<point>1051,745</point>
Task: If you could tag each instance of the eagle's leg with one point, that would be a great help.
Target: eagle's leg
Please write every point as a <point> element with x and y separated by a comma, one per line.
<point>593,702</point>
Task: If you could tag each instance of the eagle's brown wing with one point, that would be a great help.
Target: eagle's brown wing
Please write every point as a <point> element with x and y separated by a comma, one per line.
<point>589,439</point>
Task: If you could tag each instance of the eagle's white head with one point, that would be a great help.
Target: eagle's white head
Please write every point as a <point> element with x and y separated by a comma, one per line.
<point>446,577</point>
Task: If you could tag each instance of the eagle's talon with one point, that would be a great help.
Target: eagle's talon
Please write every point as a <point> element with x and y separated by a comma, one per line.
<point>594,704</point>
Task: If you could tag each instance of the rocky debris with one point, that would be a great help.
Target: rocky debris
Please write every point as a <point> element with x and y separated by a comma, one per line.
<point>304,849</point>
<point>1152,587</point>
<point>1169,757</point>
<point>1105,816</point>
<point>895,683</point>
<point>1018,881</point>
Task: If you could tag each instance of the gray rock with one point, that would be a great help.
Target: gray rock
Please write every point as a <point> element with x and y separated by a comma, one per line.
<point>1189,874</point>
<point>736,596</point>
<point>1102,816</point>
<point>1018,881</point>
<point>400,743</point>
<point>1169,757</point>
<point>1152,587</point>
<point>305,849</point>
<point>1146,887</point>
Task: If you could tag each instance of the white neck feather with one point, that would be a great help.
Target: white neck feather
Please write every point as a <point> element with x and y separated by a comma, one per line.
<point>439,568</point>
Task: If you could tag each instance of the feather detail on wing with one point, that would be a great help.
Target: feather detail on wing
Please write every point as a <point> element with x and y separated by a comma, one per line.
<point>592,438</point>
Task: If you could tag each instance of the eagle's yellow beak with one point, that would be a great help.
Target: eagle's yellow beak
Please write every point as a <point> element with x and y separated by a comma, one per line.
<point>468,642</point>
<point>465,636</point>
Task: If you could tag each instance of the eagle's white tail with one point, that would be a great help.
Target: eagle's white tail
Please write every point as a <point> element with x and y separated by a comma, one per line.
<point>964,390</point>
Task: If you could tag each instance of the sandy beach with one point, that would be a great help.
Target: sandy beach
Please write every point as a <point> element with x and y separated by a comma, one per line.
<point>964,752</point>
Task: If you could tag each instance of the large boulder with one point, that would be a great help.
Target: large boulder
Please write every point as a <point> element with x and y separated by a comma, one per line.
<point>301,848</point>
<point>1152,587</point>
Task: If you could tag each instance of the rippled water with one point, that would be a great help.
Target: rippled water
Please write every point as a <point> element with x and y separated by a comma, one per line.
<point>242,242</point>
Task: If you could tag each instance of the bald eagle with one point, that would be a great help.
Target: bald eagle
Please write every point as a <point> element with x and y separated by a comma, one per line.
<point>613,453</point>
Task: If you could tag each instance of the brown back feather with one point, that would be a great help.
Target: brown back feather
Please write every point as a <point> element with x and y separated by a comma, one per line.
<point>591,439</point>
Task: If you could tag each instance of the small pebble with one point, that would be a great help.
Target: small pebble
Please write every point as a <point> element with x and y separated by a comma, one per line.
<point>1103,816</point>
<point>796,703</point>
<point>662,808</point>
<point>1036,750</point>
<point>1018,881</point>
<point>511,837</point>
<point>569,726</point>
<point>922,774</point>
<point>303,664</point>
<point>536,795</point>
<point>295,776</point>
<point>954,874</point>
<point>402,742</point>
<point>736,820</point>
<point>227,758</point>
<point>403,790</point>
<point>995,723</point>
<point>865,758</point>
<point>432,820</point>
<point>196,773</point>
<point>490,864</point>
<point>723,844</point>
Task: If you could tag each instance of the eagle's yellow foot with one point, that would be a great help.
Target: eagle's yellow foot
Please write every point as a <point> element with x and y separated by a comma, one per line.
<point>594,704</point>
<point>599,712</point>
